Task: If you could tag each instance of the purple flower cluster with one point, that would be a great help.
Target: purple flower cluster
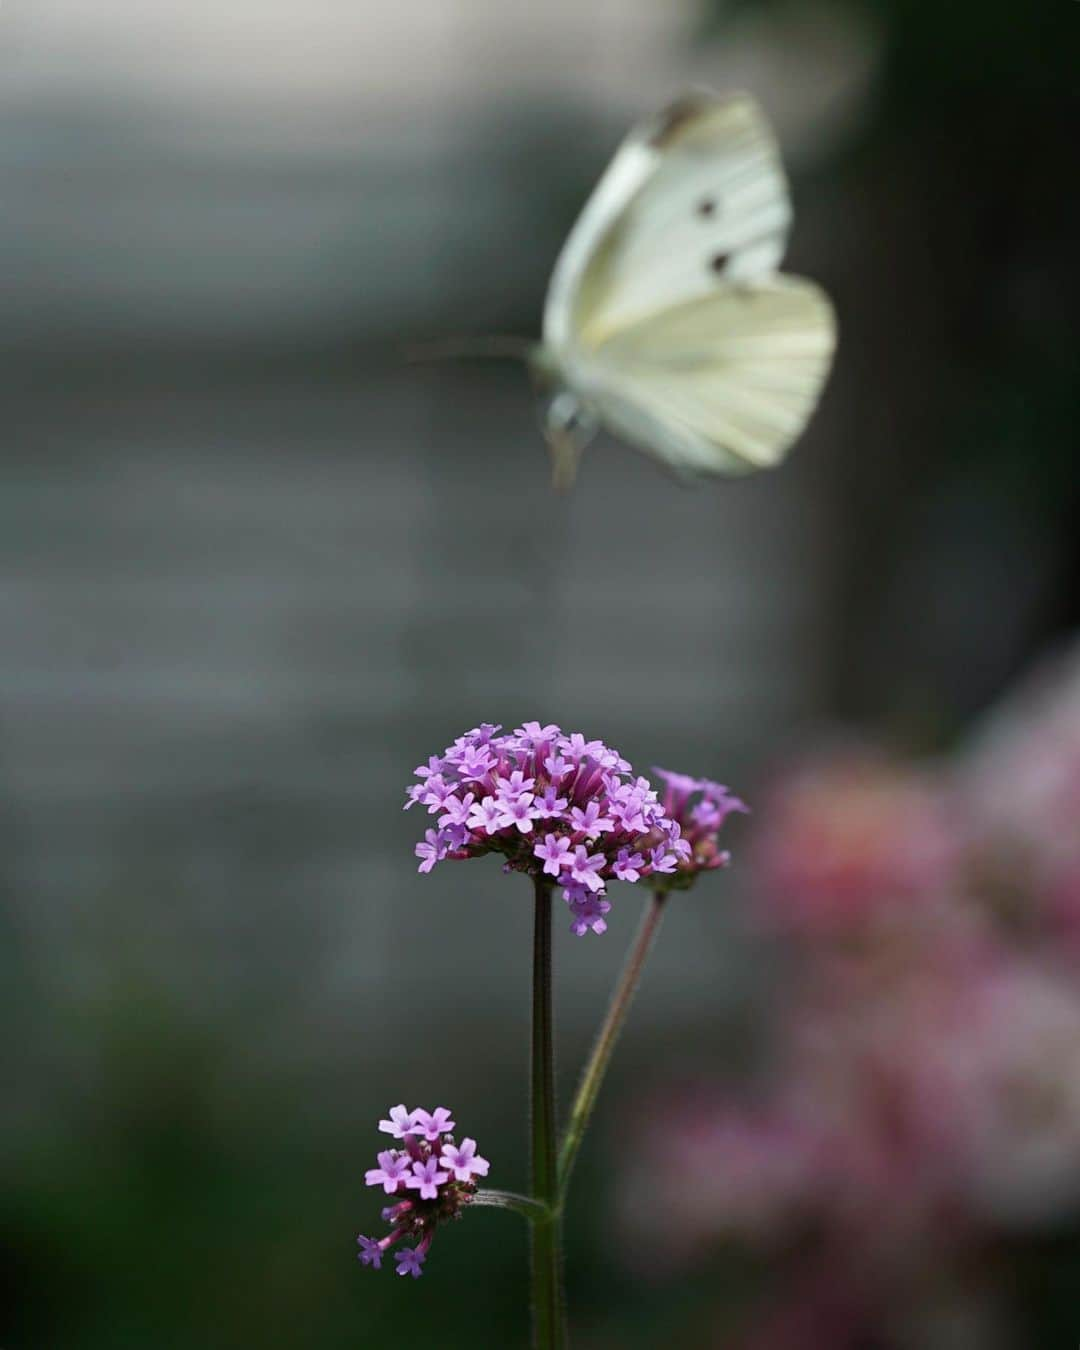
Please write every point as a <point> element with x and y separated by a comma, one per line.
<point>553,805</point>
<point>699,807</point>
<point>433,1176</point>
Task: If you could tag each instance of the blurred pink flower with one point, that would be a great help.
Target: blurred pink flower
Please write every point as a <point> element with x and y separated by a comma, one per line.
<point>709,1167</point>
<point>917,1096</point>
<point>1021,1061</point>
<point>849,836</point>
<point>1021,780</point>
<point>894,1121</point>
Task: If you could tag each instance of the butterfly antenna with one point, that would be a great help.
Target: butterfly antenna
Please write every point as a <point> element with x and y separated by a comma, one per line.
<point>498,347</point>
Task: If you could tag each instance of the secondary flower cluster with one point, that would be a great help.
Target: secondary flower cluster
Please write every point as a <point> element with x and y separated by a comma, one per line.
<point>699,807</point>
<point>553,805</point>
<point>433,1176</point>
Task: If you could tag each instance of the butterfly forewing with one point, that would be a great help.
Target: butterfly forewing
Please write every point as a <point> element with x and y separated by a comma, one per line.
<point>695,196</point>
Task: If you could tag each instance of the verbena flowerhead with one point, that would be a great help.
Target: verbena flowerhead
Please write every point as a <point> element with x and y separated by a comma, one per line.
<point>558,806</point>
<point>431,1178</point>
<point>699,807</point>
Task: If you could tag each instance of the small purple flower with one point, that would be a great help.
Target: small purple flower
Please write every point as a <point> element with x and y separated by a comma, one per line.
<point>456,837</point>
<point>578,748</point>
<point>535,734</point>
<point>723,797</point>
<point>680,847</point>
<point>426,1178</point>
<point>515,785</point>
<point>371,1252</point>
<point>416,792</point>
<point>590,820</point>
<point>436,793</point>
<point>409,1260</point>
<point>431,850</point>
<point>549,803</point>
<point>457,809</point>
<point>588,914</point>
<point>400,1123</point>
<point>519,811</point>
<point>707,814</point>
<point>557,767</point>
<point>679,787</point>
<point>555,853</point>
<point>430,1125</point>
<point>464,1162</point>
<point>390,1173</point>
<point>627,865</point>
<point>475,763</point>
<point>486,816</point>
<point>485,731</point>
<point>660,860</point>
<point>586,867</point>
<point>625,807</point>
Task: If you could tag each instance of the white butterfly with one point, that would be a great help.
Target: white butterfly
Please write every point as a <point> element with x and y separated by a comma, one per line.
<point>666,321</point>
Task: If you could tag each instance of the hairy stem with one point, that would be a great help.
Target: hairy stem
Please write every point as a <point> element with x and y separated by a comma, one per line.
<point>529,1209</point>
<point>548,1316</point>
<point>596,1067</point>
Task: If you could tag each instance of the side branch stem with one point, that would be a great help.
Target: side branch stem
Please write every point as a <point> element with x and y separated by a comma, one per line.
<point>596,1067</point>
<point>529,1209</point>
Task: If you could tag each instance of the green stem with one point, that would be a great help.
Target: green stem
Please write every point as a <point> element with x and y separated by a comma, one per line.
<point>529,1209</point>
<point>549,1331</point>
<point>596,1067</point>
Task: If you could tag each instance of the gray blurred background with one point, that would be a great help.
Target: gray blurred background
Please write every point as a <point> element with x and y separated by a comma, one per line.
<point>254,568</point>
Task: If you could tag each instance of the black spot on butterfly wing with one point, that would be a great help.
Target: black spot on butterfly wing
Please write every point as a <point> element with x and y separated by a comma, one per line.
<point>719,261</point>
<point>707,207</point>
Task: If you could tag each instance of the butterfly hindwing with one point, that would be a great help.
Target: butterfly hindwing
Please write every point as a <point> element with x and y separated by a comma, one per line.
<point>719,384</point>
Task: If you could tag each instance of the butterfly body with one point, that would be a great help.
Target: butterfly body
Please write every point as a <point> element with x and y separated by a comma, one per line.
<point>666,321</point>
